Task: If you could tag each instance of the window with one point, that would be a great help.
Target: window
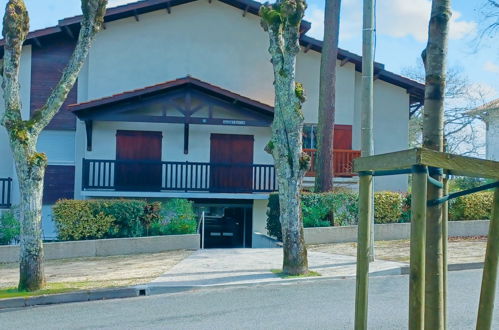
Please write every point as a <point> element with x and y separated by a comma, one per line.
<point>310,136</point>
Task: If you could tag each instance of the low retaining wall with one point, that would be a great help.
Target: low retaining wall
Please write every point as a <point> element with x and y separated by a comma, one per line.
<point>389,232</point>
<point>108,247</point>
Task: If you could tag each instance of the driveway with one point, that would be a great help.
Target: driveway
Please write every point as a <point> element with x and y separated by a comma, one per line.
<point>249,266</point>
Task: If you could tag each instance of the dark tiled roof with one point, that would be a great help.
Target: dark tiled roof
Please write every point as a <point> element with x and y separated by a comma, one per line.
<point>169,85</point>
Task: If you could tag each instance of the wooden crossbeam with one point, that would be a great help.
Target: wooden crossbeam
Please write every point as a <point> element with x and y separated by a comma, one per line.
<point>69,32</point>
<point>452,164</point>
<point>245,11</point>
<point>344,61</point>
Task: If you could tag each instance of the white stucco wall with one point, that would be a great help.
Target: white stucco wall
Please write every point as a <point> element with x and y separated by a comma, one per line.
<point>260,216</point>
<point>390,126</point>
<point>173,144</point>
<point>493,135</point>
<point>211,42</point>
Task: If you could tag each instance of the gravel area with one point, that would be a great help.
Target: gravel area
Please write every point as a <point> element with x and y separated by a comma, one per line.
<point>461,250</point>
<point>86,273</point>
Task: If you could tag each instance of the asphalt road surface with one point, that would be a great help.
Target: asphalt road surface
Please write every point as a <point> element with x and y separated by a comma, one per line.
<point>317,304</point>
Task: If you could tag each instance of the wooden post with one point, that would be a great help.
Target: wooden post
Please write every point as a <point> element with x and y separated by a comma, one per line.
<point>418,246</point>
<point>363,238</point>
<point>367,99</point>
<point>445,240</point>
<point>489,279</point>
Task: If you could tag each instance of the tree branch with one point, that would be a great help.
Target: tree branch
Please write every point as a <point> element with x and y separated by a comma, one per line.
<point>15,30</point>
<point>93,20</point>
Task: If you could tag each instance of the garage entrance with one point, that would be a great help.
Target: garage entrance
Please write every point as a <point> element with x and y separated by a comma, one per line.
<point>227,225</point>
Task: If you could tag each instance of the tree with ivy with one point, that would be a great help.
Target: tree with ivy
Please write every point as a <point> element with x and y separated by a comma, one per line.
<point>281,21</point>
<point>23,134</point>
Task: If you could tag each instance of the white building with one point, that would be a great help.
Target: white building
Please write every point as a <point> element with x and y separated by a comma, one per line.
<point>489,113</point>
<point>175,100</point>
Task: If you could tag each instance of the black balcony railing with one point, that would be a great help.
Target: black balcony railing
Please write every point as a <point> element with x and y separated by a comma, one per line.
<point>143,175</point>
<point>5,188</point>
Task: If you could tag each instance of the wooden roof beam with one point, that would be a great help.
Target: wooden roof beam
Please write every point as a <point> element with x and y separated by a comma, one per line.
<point>245,11</point>
<point>37,42</point>
<point>309,45</point>
<point>69,32</point>
<point>344,61</point>
<point>168,7</point>
<point>136,16</point>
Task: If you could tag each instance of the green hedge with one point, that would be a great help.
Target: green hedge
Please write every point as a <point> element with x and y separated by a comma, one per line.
<point>94,219</point>
<point>477,206</point>
<point>317,209</point>
<point>388,207</point>
<point>9,228</point>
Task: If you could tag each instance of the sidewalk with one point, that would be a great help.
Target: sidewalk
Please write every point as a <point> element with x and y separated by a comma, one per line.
<point>224,267</point>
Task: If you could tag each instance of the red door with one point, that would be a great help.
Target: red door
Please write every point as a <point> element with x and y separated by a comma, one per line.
<point>138,155</point>
<point>231,156</point>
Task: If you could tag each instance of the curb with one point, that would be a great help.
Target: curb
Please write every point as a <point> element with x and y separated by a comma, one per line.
<point>451,267</point>
<point>148,289</point>
<point>164,289</point>
<point>77,296</point>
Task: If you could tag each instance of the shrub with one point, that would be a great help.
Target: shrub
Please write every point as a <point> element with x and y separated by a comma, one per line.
<point>477,206</point>
<point>387,207</point>
<point>463,183</point>
<point>75,220</point>
<point>92,219</point>
<point>9,228</point>
<point>406,208</point>
<point>318,209</point>
<point>128,215</point>
<point>177,218</point>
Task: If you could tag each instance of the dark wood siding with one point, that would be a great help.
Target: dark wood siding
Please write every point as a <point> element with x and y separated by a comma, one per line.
<point>141,146</point>
<point>47,64</point>
<point>235,152</point>
<point>59,183</point>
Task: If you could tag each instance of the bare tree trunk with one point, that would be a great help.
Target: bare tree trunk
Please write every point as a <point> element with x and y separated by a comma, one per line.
<point>282,22</point>
<point>324,165</point>
<point>31,260</point>
<point>434,58</point>
<point>23,134</point>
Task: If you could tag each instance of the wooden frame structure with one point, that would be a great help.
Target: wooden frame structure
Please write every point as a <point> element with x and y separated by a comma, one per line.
<point>419,162</point>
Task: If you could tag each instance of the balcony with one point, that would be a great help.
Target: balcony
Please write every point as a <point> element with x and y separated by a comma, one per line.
<point>5,188</point>
<point>163,176</point>
<point>343,162</point>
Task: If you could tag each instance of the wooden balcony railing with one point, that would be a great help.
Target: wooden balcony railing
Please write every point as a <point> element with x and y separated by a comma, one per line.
<point>5,188</point>
<point>343,162</point>
<point>139,175</point>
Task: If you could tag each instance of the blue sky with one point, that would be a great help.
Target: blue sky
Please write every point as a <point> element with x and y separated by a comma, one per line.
<point>401,32</point>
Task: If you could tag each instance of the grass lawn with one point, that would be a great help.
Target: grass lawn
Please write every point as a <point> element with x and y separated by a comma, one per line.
<point>67,275</point>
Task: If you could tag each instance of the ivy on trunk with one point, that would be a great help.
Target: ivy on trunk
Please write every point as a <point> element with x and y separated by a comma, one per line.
<point>23,134</point>
<point>282,22</point>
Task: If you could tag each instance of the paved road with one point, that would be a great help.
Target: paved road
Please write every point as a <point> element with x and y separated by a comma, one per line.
<point>319,304</point>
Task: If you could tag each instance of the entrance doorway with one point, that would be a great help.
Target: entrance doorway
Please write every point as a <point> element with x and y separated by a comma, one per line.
<point>227,226</point>
<point>138,156</point>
